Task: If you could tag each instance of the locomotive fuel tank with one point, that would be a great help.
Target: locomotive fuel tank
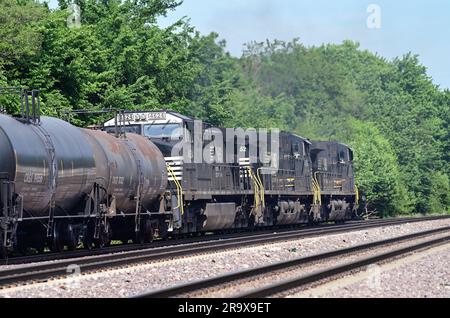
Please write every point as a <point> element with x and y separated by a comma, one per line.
<point>45,161</point>
<point>128,166</point>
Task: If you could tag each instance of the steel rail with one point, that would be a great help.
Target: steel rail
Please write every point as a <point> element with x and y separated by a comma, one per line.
<point>181,241</point>
<point>49,256</point>
<point>333,271</point>
<point>57,269</point>
<point>197,286</point>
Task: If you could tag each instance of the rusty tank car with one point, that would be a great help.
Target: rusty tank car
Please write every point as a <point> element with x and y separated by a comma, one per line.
<point>62,185</point>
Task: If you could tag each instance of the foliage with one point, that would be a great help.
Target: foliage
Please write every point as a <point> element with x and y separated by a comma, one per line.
<point>19,36</point>
<point>377,171</point>
<point>120,58</point>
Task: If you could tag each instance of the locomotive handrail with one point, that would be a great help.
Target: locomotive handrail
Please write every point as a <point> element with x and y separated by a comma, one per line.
<point>179,190</point>
<point>256,186</point>
<point>263,199</point>
<point>317,190</point>
<point>356,195</point>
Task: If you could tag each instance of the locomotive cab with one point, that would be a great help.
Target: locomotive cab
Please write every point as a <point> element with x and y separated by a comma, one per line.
<point>164,128</point>
<point>332,164</point>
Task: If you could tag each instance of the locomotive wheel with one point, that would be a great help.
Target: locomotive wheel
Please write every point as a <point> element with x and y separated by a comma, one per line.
<point>310,220</point>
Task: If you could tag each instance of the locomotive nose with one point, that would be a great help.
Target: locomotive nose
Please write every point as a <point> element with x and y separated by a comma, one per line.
<point>7,160</point>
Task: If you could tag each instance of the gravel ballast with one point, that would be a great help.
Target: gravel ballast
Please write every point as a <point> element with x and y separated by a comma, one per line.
<point>421,275</point>
<point>247,285</point>
<point>138,278</point>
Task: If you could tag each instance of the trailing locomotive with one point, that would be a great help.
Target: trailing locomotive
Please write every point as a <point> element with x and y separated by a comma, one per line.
<point>62,186</point>
<point>312,181</point>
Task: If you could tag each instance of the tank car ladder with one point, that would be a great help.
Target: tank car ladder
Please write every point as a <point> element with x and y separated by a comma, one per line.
<point>34,119</point>
<point>137,218</point>
<point>11,213</point>
<point>99,210</point>
<point>138,197</point>
<point>52,177</point>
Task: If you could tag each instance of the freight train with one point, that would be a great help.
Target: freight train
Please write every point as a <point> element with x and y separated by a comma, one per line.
<point>62,187</point>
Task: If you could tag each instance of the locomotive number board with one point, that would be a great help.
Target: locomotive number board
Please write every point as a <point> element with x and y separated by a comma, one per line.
<point>146,116</point>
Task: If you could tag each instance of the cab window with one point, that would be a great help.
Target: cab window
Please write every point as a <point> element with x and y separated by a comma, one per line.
<point>133,129</point>
<point>163,131</point>
<point>350,155</point>
<point>296,149</point>
<point>342,156</point>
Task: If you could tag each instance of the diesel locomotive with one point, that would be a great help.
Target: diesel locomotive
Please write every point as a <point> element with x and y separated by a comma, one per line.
<point>63,187</point>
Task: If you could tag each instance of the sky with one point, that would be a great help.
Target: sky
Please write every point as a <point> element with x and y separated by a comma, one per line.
<point>389,28</point>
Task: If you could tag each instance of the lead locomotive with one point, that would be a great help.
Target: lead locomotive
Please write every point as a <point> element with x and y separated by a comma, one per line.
<point>62,186</point>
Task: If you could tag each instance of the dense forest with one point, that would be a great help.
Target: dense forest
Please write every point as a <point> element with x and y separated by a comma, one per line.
<point>389,111</point>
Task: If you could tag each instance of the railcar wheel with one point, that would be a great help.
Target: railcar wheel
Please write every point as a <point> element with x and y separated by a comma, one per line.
<point>139,238</point>
<point>104,239</point>
<point>146,234</point>
<point>125,241</point>
<point>22,250</point>
<point>40,249</point>
<point>72,238</point>
<point>3,252</point>
<point>88,244</point>
<point>88,235</point>
<point>57,241</point>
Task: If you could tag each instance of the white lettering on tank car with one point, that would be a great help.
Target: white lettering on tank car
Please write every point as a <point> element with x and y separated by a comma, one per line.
<point>31,177</point>
<point>38,178</point>
<point>28,177</point>
<point>118,180</point>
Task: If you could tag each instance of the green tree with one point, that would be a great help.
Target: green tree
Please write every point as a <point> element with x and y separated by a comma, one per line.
<point>439,195</point>
<point>377,170</point>
<point>253,110</point>
<point>120,58</point>
<point>20,39</point>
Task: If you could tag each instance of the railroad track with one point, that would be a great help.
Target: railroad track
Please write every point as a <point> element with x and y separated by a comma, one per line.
<point>220,283</point>
<point>42,272</point>
<point>49,256</point>
<point>67,255</point>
